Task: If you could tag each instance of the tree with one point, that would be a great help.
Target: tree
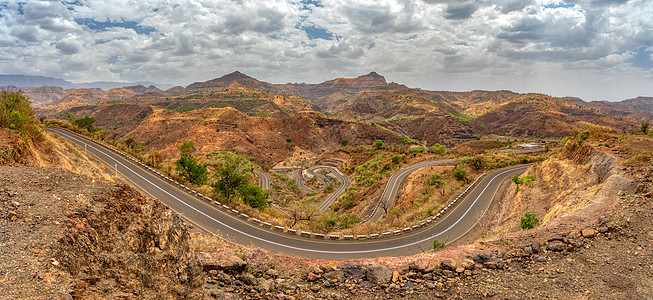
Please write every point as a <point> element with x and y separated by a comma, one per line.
<point>192,170</point>
<point>436,181</point>
<point>476,163</point>
<point>230,170</point>
<point>302,212</point>
<point>254,196</point>
<point>459,174</point>
<point>529,221</point>
<point>85,123</point>
<point>644,127</point>
<point>187,148</point>
<point>189,167</point>
<point>378,144</point>
<point>438,149</point>
<point>130,142</point>
<point>15,110</point>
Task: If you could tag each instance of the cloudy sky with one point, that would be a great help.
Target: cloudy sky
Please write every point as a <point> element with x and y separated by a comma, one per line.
<point>594,49</point>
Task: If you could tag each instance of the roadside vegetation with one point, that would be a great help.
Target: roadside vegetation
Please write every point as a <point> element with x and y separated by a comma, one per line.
<point>16,113</point>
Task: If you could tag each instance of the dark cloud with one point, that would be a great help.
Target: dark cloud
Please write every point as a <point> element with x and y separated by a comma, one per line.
<point>460,10</point>
<point>514,5</point>
<point>379,19</point>
<point>266,20</point>
<point>68,48</point>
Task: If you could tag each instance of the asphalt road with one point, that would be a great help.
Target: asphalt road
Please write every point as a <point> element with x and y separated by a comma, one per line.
<point>453,224</point>
<point>394,184</point>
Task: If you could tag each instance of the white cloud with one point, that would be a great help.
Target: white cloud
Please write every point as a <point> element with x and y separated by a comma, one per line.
<point>433,44</point>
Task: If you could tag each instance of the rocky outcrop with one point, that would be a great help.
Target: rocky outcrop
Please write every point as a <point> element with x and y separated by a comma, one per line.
<point>130,245</point>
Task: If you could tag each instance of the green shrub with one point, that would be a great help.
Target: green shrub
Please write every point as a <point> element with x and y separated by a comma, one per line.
<point>460,174</point>
<point>378,144</point>
<point>529,221</point>
<point>437,245</point>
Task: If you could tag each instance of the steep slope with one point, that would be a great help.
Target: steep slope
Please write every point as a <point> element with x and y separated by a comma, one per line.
<point>44,95</point>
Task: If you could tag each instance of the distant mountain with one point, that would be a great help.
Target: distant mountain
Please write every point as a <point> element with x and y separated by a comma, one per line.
<point>26,82</point>
<point>44,94</point>
<point>320,93</point>
<point>107,85</point>
<point>235,79</point>
<point>537,115</point>
<point>640,108</point>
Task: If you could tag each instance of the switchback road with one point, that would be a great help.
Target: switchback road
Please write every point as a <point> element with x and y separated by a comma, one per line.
<point>453,224</point>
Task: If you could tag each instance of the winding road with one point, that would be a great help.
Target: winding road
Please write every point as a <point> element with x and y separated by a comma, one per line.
<point>453,224</point>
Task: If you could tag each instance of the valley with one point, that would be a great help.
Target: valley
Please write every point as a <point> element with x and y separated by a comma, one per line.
<point>333,182</point>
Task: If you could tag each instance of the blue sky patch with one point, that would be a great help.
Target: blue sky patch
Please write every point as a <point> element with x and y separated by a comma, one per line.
<point>372,45</point>
<point>559,5</point>
<point>642,59</point>
<point>316,32</point>
<point>102,26</point>
<point>306,3</point>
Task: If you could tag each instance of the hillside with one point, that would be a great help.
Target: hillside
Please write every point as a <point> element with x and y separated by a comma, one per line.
<point>537,115</point>
<point>265,140</point>
<point>44,95</point>
<point>639,109</point>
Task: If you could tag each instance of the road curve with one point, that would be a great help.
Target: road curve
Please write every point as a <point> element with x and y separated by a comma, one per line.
<point>394,183</point>
<point>455,223</point>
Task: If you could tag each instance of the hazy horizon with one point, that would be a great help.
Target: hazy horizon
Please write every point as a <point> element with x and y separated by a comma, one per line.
<point>591,49</point>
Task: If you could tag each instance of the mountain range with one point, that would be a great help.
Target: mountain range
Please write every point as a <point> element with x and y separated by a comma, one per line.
<point>26,82</point>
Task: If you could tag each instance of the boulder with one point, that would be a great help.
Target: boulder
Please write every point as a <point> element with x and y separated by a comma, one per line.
<point>490,265</point>
<point>395,276</point>
<point>312,277</point>
<point>556,237</point>
<point>482,258</point>
<point>468,264</point>
<point>557,246</point>
<point>536,246</point>
<point>353,270</point>
<point>222,260</point>
<point>448,264</point>
<point>424,265</point>
<point>334,276</point>
<point>589,233</point>
<point>379,274</point>
<point>247,278</point>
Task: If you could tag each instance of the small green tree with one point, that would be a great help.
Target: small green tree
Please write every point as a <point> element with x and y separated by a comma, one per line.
<point>476,162</point>
<point>529,221</point>
<point>130,142</point>
<point>15,110</point>
<point>436,181</point>
<point>378,144</point>
<point>85,123</point>
<point>437,245</point>
<point>438,149</point>
<point>189,167</point>
<point>644,127</point>
<point>254,196</point>
<point>459,174</point>
<point>344,142</point>
<point>192,170</point>
<point>230,170</point>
